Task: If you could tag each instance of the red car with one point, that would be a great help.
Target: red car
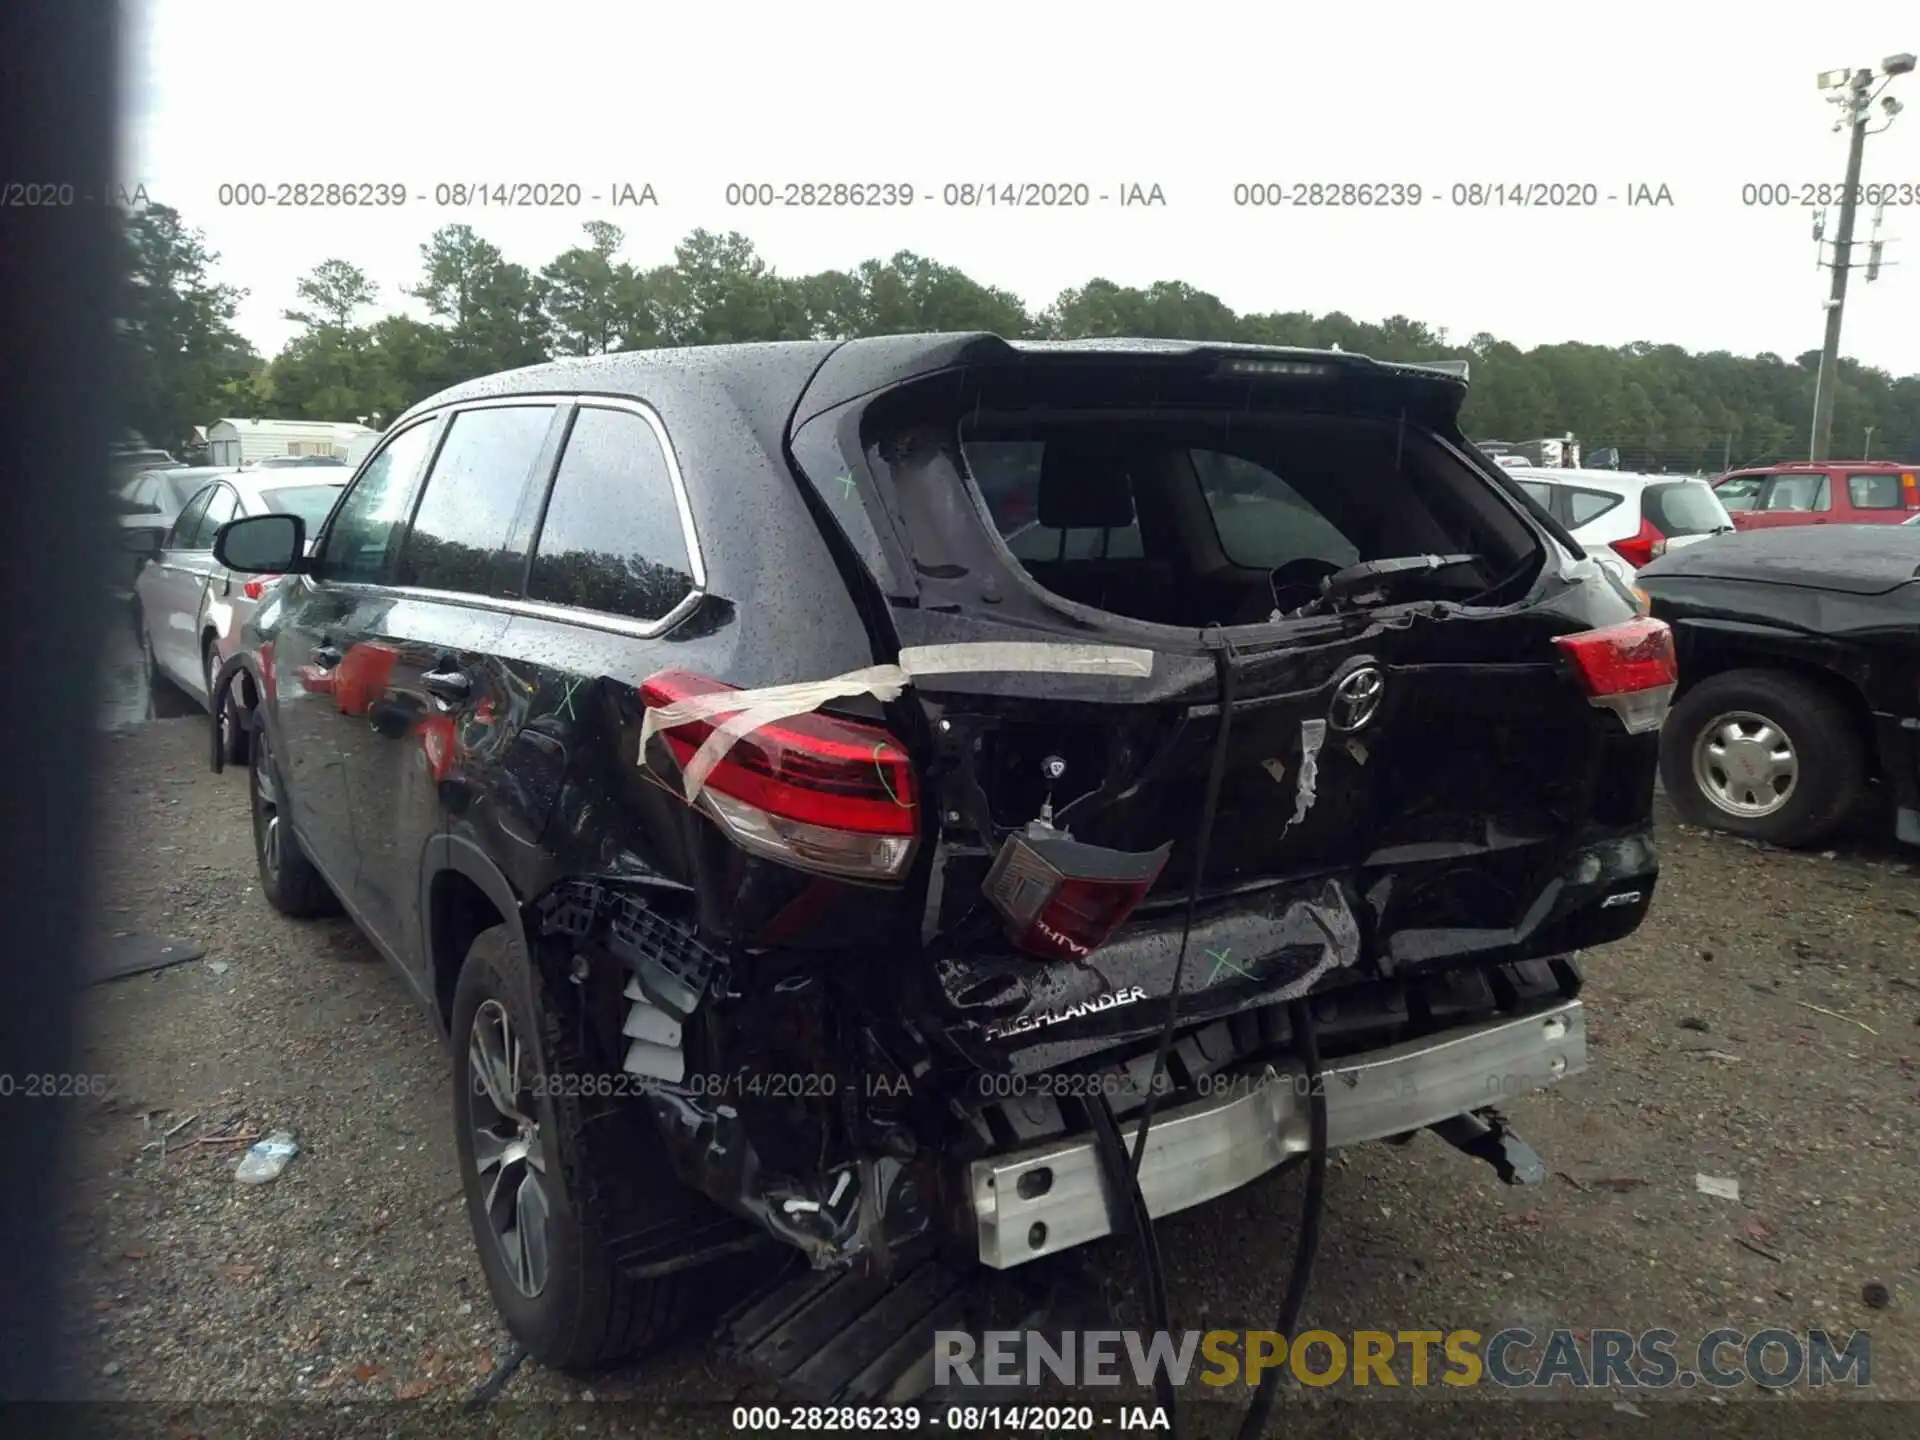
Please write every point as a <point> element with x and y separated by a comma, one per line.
<point>1836,492</point>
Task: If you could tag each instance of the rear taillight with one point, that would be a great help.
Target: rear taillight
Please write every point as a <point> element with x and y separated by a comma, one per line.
<point>257,586</point>
<point>1629,669</point>
<point>1063,900</point>
<point>1910,490</point>
<point>814,791</point>
<point>1649,545</point>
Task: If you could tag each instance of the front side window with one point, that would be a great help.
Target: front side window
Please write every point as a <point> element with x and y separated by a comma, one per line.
<point>1264,522</point>
<point>361,538</point>
<point>1742,493</point>
<point>1008,474</point>
<point>461,532</point>
<point>188,524</point>
<point>612,539</point>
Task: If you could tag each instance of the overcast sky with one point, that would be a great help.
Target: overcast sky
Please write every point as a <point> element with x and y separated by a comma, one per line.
<point>1700,96</point>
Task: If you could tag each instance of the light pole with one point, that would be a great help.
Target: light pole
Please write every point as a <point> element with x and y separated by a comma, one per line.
<point>1867,452</point>
<point>1856,97</point>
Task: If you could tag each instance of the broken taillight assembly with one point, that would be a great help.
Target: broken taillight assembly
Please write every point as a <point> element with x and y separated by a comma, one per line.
<point>1630,669</point>
<point>814,791</point>
<point>1642,549</point>
<point>1062,899</point>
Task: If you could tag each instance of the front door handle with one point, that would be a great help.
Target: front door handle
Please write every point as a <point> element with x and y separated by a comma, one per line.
<point>447,684</point>
<point>325,656</point>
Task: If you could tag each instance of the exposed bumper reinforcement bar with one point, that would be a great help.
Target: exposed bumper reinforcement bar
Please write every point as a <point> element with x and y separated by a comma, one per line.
<point>1050,1197</point>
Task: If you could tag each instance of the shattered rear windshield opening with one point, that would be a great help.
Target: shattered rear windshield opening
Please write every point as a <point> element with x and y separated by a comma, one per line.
<point>1201,518</point>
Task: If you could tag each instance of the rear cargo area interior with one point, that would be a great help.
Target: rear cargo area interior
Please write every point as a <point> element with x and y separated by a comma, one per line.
<point>1200,520</point>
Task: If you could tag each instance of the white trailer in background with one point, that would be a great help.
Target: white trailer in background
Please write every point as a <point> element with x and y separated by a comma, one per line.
<point>236,442</point>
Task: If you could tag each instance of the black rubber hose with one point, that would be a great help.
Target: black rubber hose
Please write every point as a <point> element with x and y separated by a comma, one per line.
<point>1125,1187</point>
<point>1223,657</point>
<point>1312,1204</point>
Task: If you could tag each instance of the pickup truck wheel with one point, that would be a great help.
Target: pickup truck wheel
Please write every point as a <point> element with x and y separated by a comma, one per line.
<point>287,878</point>
<point>542,1192</point>
<point>1763,754</point>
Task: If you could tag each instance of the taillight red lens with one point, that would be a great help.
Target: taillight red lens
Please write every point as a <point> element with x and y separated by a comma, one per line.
<point>1630,669</point>
<point>1063,900</point>
<point>812,790</point>
<point>1649,545</point>
<point>257,586</point>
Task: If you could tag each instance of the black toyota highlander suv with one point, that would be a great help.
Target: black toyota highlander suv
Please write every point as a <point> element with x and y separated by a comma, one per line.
<point>818,787</point>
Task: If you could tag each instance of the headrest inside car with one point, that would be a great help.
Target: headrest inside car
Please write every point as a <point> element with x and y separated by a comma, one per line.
<point>1084,485</point>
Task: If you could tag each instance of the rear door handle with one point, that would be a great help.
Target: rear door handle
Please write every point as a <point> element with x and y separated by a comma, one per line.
<point>447,684</point>
<point>325,655</point>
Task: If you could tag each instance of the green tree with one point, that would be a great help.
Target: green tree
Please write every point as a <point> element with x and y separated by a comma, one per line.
<point>491,305</point>
<point>587,293</point>
<point>176,351</point>
<point>332,293</point>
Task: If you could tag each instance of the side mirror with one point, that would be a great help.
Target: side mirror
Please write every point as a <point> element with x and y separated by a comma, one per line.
<point>262,545</point>
<point>141,542</point>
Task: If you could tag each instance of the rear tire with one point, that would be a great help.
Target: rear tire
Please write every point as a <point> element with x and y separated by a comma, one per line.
<point>287,878</point>
<point>231,722</point>
<point>1764,754</point>
<point>559,1158</point>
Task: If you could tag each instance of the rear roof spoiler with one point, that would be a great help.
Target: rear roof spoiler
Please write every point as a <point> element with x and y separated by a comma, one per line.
<point>1445,367</point>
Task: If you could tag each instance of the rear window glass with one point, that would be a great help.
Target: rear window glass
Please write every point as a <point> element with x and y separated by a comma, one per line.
<point>1874,492</point>
<point>1741,494</point>
<point>312,503</point>
<point>1685,508</point>
<point>1541,492</point>
<point>1585,506</point>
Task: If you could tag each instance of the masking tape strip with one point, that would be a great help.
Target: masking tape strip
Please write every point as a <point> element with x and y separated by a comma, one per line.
<point>772,703</point>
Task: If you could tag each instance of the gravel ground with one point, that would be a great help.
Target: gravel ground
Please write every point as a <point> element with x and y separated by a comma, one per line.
<point>1759,1027</point>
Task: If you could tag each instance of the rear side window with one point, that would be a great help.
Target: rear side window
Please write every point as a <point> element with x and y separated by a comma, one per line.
<point>220,507</point>
<point>1874,492</point>
<point>1586,506</point>
<point>612,539</point>
<point>1541,493</point>
<point>1798,492</point>
<point>1683,508</point>
<point>188,525</point>
<point>460,537</point>
<point>1008,474</point>
<point>1262,521</point>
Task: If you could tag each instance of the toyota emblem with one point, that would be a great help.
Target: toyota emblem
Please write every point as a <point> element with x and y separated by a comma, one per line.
<point>1356,699</point>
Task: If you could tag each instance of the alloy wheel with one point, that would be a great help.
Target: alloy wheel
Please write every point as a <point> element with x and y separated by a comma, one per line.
<point>507,1148</point>
<point>1745,764</point>
<point>267,798</point>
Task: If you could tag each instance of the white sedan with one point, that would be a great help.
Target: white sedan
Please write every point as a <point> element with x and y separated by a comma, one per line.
<point>191,608</point>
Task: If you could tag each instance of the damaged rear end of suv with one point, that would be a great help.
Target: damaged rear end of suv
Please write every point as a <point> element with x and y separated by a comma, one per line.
<point>1239,763</point>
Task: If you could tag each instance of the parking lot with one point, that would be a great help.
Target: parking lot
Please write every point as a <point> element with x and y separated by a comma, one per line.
<point>1760,1027</point>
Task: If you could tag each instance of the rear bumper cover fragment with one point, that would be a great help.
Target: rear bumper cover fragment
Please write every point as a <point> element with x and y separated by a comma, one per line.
<point>1050,1197</point>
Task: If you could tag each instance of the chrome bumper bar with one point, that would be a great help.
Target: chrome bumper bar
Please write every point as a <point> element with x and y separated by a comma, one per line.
<point>1050,1197</point>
